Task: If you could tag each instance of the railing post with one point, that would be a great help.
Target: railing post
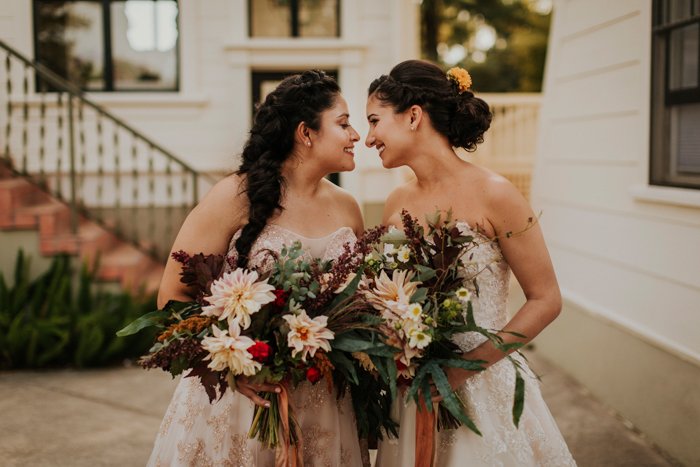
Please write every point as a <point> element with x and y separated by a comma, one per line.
<point>195,189</point>
<point>71,162</point>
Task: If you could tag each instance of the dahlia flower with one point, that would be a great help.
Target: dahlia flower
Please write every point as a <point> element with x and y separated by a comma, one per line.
<point>307,335</point>
<point>230,352</point>
<point>236,296</point>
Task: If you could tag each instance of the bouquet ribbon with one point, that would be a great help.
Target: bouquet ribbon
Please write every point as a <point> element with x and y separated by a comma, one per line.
<point>288,455</point>
<point>425,435</point>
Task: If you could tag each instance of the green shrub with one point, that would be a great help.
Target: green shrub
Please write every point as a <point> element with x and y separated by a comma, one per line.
<point>63,318</point>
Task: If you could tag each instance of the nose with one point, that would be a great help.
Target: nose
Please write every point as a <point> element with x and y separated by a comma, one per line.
<point>354,135</point>
<point>370,140</point>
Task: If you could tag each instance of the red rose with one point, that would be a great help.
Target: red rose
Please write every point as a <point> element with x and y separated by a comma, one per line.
<point>313,375</point>
<point>280,297</point>
<point>260,351</point>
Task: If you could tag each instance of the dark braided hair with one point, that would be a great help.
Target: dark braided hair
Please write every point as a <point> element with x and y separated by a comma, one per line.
<point>461,117</point>
<point>298,98</point>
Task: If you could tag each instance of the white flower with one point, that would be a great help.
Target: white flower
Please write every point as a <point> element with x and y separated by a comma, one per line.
<point>372,256</point>
<point>463,295</point>
<point>389,251</point>
<point>236,296</point>
<point>398,289</point>
<point>414,312</point>
<point>307,335</point>
<point>403,254</point>
<point>418,339</point>
<point>230,351</point>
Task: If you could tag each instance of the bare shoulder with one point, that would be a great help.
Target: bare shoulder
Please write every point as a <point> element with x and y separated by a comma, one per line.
<point>225,201</point>
<point>507,207</point>
<point>349,206</point>
<point>396,201</point>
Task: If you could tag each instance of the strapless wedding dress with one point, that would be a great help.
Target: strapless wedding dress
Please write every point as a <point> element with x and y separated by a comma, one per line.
<point>195,432</point>
<point>488,396</point>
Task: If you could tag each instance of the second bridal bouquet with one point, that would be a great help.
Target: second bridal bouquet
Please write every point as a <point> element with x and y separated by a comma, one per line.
<point>421,284</point>
<point>302,320</point>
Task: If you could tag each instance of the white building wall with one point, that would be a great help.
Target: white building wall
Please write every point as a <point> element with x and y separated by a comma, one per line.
<point>206,122</point>
<point>627,255</point>
<point>635,261</point>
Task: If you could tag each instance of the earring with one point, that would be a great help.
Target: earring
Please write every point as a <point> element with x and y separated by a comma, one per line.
<point>413,128</point>
<point>308,143</point>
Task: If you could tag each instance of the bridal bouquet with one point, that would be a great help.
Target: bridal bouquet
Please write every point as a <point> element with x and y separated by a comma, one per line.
<point>421,287</point>
<point>303,320</point>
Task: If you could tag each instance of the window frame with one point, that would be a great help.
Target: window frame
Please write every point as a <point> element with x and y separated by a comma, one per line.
<point>664,99</point>
<point>107,50</point>
<point>294,20</point>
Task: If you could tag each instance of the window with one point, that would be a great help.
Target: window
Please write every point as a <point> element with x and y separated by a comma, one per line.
<point>109,45</point>
<point>265,82</point>
<point>675,139</point>
<point>294,18</point>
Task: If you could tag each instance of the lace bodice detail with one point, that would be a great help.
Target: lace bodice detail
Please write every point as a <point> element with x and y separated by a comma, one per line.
<point>274,237</point>
<point>485,264</point>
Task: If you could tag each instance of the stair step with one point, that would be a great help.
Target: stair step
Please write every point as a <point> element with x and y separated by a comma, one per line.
<point>94,240</point>
<point>51,218</point>
<point>20,192</point>
<point>24,205</point>
<point>124,264</point>
<point>151,283</point>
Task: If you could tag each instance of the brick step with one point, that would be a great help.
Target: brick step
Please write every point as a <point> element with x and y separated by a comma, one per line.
<point>127,265</point>
<point>24,206</point>
<point>17,193</point>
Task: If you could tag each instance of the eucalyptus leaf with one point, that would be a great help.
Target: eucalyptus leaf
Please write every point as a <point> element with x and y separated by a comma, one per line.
<point>518,398</point>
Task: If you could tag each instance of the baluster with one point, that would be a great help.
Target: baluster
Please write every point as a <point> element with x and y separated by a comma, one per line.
<point>168,208</point>
<point>152,202</point>
<point>71,161</point>
<point>185,203</point>
<point>8,123</point>
<point>117,180</point>
<point>25,121</point>
<point>99,201</point>
<point>42,133</point>
<point>59,146</point>
<point>134,189</point>
<point>83,154</point>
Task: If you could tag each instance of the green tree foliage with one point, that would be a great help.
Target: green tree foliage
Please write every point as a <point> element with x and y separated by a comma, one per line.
<point>64,319</point>
<point>503,43</point>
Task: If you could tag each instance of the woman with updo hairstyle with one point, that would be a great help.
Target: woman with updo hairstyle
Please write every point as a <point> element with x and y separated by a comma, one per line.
<point>418,115</point>
<point>301,133</point>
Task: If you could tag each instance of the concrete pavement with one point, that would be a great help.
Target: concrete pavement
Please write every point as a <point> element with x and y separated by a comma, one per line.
<point>110,417</point>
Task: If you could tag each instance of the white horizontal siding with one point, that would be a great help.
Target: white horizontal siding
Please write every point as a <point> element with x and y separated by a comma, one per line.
<point>635,263</point>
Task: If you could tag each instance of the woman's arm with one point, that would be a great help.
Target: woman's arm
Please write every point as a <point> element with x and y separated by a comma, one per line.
<point>207,229</point>
<point>526,253</point>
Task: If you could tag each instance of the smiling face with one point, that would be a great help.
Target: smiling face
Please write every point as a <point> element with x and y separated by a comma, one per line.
<point>389,132</point>
<point>333,143</point>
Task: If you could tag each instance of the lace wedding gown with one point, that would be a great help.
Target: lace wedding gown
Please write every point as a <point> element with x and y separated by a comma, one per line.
<point>488,395</point>
<point>195,432</point>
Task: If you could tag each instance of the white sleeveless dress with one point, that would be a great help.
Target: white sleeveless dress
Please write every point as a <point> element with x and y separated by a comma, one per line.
<point>488,395</point>
<point>195,432</point>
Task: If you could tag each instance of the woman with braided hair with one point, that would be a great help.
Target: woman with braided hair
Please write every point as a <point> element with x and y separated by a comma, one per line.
<point>300,134</point>
<point>417,115</point>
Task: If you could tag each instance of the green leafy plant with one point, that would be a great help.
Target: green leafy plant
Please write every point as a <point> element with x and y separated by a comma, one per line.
<point>64,318</point>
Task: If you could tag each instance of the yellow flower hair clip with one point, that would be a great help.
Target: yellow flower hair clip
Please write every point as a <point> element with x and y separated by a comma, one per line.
<point>461,77</point>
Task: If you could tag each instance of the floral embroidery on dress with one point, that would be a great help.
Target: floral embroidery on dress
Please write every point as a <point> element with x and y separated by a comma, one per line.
<point>193,454</point>
<point>488,395</point>
<point>239,454</point>
<point>219,425</point>
<point>310,396</point>
<point>192,409</point>
<point>316,448</point>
